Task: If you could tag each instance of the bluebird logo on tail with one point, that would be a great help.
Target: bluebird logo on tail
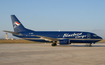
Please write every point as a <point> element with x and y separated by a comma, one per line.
<point>16,24</point>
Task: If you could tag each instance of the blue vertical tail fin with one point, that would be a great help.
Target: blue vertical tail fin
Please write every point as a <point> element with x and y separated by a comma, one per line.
<point>17,25</point>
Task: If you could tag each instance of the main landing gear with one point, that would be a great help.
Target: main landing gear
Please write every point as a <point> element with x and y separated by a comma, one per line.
<point>54,43</point>
<point>90,45</point>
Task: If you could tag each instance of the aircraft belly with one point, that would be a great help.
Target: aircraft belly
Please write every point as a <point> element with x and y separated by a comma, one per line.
<point>84,41</point>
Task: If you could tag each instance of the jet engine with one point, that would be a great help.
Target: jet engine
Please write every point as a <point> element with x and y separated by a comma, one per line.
<point>64,41</point>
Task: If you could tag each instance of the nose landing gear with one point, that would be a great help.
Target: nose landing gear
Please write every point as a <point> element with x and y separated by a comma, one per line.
<point>89,44</point>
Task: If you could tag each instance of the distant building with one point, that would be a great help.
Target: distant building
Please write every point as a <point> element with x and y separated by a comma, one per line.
<point>6,36</point>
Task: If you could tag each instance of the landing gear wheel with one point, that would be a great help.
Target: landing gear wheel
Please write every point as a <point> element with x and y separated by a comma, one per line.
<point>54,44</point>
<point>90,45</point>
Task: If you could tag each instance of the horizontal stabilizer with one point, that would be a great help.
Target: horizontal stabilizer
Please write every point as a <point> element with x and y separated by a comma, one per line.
<point>11,32</point>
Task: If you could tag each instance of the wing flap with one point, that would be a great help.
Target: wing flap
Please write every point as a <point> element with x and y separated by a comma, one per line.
<point>47,38</point>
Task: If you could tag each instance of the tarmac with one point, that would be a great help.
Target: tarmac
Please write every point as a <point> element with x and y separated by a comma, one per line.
<point>45,54</point>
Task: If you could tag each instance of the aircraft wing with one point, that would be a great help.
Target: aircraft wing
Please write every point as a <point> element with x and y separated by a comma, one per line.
<point>42,37</point>
<point>11,32</point>
<point>47,38</point>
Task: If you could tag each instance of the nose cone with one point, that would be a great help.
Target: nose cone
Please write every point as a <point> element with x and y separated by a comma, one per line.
<point>100,37</point>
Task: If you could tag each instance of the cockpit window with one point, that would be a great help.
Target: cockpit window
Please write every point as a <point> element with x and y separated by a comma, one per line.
<point>95,35</point>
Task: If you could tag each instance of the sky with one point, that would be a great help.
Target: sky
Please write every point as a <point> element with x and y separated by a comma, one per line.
<point>54,15</point>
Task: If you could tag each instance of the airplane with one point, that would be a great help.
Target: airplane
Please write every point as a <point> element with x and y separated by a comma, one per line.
<point>54,37</point>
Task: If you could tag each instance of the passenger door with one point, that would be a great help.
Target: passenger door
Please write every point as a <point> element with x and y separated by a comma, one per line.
<point>88,36</point>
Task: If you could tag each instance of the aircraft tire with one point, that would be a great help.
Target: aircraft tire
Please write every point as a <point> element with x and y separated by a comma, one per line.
<point>90,45</point>
<point>54,44</point>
